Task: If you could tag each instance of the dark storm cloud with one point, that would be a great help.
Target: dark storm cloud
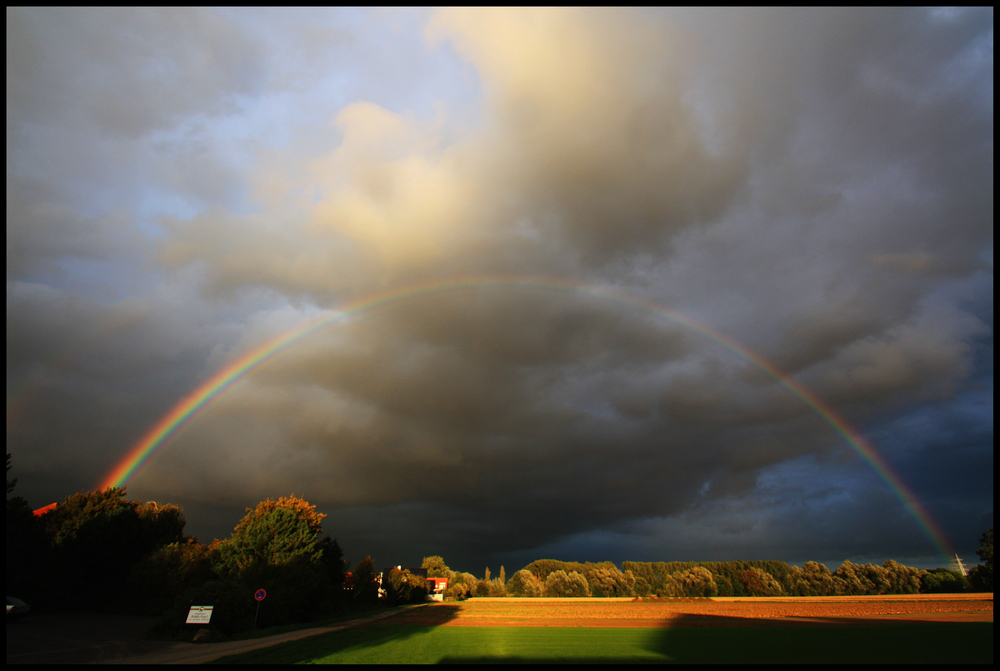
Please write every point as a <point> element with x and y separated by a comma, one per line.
<point>815,185</point>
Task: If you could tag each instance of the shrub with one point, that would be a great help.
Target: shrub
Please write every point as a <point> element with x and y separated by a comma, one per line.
<point>233,608</point>
<point>160,576</point>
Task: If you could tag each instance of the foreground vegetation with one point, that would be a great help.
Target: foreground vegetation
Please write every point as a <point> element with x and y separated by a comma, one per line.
<point>101,551</point>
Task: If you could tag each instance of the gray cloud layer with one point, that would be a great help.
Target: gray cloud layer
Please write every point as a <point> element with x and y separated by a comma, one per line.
<point>815,185</point>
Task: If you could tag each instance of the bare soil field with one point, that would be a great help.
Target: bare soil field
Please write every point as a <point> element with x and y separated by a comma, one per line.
<point>716,612</point>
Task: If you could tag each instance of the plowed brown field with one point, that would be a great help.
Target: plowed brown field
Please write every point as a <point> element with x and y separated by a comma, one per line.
<point>718,612</point>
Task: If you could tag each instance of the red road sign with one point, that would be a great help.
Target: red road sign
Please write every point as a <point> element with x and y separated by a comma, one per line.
<point>259,595</point>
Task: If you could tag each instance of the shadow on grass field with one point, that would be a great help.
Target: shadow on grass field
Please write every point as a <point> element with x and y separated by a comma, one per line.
<point>697,639</point>
<point>754,643</point>
<point>719,639</point>
<point>361,644</point>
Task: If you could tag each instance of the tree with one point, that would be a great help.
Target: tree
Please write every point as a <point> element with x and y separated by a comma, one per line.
<point>96,538</point>
<point>277,546</point>
<point>461,585</point>
<point>497,588</point>
<point>541,568</point>
<point>981,576</point>
<point>642,587</point>
<point>272,536</point>
<point>27,547</point>
<point>813,579</point>
<point>724,584</point>
<point>525,583</point>
<point>648,576</point>
<point>10,483</point>
<point>364,583</point>
<point>878,577</point>
<point>852,578</point>
<point>985,550</point>
<point>436,568</point>
<point>273,533</point>
<point>461,578</point>
<point>758,582</point>
<point>562,584</point>
<point>300,507</point>
<point>457,592</point>
<point>606,580</point>
<point>846,580</point>
<point>902,579</point>
<point>86,513</point>
<point>336,568</point>
<point>696,582</point>
<point>403,587</point>
<point>670,587</point>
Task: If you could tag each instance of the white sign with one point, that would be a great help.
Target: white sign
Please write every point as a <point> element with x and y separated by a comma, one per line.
<point>199,615</point>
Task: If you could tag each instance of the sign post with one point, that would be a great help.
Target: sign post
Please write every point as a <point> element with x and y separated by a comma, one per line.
<point>199,615</point>
<point>259,595</point>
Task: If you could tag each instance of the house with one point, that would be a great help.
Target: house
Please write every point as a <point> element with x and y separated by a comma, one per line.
<point>436,588</point>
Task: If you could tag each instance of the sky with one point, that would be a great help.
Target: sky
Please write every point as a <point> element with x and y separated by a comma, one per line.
<point>597,284</point>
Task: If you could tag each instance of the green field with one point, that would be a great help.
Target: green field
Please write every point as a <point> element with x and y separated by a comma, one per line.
<point>946,643</point>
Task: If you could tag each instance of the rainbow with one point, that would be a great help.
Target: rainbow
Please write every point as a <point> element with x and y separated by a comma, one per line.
<point>192,405</point>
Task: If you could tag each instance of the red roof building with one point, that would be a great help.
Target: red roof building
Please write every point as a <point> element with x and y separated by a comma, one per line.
<point>436,588</point>
<point>42,511</point>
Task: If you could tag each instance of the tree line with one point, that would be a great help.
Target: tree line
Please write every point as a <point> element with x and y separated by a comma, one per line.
<point>102,551</point>
<point>554,578</point>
